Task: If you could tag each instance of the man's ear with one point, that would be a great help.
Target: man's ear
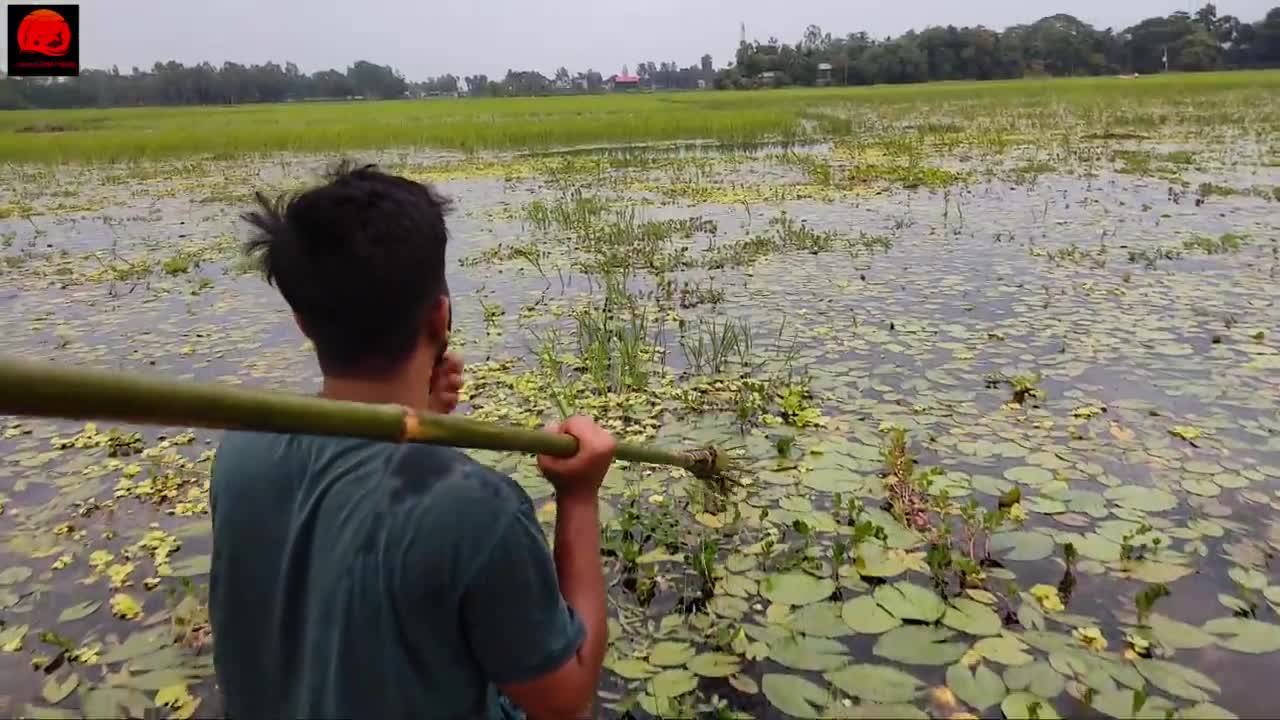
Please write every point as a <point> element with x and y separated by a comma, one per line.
<point>301,325</point>
<point>439,319</point>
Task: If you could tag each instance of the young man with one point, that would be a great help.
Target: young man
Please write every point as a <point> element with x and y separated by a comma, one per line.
<point>359,579</point>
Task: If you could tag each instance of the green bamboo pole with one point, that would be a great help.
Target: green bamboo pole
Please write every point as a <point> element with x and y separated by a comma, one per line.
<point>44,389</point>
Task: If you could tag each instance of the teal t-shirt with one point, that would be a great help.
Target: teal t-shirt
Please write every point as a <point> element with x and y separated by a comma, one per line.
<point>353,579</point>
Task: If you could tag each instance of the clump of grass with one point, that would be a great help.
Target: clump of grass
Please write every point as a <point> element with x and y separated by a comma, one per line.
<point>1151,257</point>
<point>615,339</point>
<point>785,234</point>
<point>1226,243</point>
<point>712,346</point>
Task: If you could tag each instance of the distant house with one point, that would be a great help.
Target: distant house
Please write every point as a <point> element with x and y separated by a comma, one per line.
<point>769,78</point>
<point>824,73</point>
<point>624,82</point>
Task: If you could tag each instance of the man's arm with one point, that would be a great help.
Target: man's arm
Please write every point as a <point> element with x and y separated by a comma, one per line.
<point>540,633</point>
<point>570,690</point>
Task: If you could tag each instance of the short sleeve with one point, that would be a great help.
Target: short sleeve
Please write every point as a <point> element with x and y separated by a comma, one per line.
<point>517,623</point>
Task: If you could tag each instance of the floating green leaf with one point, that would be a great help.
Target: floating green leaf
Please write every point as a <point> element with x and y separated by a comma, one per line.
<point>136,645</point>
<point>14,575</point>
<point>1118,703</point>
<point>880,562</point>
<point>820,620</point>
<point>1006,650</point>
<point>55,690</point>
<point>1025,706</point>
<point>806,653</point>
<point>1248,578</point>
<point>672,683</point>
<point>190,566</point>
<point>1206,711</point>
<point>919,645</point>
<point>1028,475</point>
<point>1177,680</point>
<point>908,601</point>
<point>876,683</point>
<point>670,653</point>
<point>793,695</point>
<point>1177,635</point>
<point>969,616</point>
<point>1038,678</point>
<point>1152,571</point>
<point>633,669</point>
<point>866,616</point>
<point>1245,635</point>
<point>1140,497</point>
<point>980,688</point>
<point>796,588</point>
<point>11,637</point>
<point>1022,545</point>
<point>79,611</point>
<point>714,665</point>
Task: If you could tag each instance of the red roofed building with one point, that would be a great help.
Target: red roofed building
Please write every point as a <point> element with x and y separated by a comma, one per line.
<point>624,82</point>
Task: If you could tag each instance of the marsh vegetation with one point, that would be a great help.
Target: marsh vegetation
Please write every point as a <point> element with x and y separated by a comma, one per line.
<point>997,365</point>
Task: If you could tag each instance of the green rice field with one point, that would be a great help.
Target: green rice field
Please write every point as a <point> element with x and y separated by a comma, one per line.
<point>997,364</point>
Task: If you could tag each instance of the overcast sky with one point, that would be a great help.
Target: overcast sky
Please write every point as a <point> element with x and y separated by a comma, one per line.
<point>431,37</point>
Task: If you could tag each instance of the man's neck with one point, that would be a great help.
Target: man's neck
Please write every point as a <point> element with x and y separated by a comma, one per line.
<point>409,387</point>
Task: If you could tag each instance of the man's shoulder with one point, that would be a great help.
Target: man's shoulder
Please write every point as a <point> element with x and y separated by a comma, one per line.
<point>450,478</point>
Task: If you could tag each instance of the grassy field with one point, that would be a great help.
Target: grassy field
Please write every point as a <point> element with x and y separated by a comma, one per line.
<point>540,123</point>
<point>996,363</point>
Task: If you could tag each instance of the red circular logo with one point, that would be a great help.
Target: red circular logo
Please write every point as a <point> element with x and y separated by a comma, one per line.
<point>44,32</point>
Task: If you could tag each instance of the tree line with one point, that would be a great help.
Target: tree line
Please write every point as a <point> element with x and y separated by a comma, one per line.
<point>1057,45</point>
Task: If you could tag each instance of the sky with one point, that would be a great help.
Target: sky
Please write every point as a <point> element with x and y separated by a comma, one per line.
<point>429,38</point>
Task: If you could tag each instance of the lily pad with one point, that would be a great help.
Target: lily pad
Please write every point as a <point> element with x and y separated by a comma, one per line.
<point>806,653</point>
<point>670,653</point>
<point>920,645</point>
<point>864,615</point>
<point>1028,475</point>
<point>79,611</point>
<point>672,683</point>
<point>714,665</point>
<point>1022,545</point>
<point>1248,578</point>
<point>796,588</point>
<point>1025,706</point>
<point>880,562</point>
<point>876,683</point>
<point>1140,497</point>
<point>1118,704</point>
<point>1152,571</point>
<point>1177,680</point>
<point>633,669</point>
<point>14,575</point>
<point>980,688</point>
<point>1006,650</point>
<point>820,620</point>
<point>793,694</point>
<point>1177,635</point>
<point>1245,635</point>
<point>908,601</point>
<point>969,616</point>
<point>1206,711</point>
<point>1038,678</point>
<point>56,690</point>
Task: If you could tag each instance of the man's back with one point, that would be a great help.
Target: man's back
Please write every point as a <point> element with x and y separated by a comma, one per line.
<point>360,579</point>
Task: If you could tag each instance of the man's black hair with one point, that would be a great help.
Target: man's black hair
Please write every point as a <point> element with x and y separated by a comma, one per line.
<point>360,259</point>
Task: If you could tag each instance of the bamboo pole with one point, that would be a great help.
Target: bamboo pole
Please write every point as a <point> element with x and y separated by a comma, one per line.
<point>44,389</point>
